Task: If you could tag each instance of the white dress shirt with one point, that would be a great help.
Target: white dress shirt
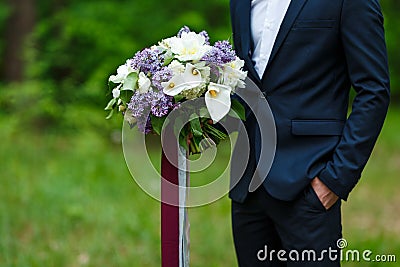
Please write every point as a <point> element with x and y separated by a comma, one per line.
<point>266,19</point>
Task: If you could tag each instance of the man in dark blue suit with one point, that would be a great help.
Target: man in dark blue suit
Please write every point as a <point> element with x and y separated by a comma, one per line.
<point>305,55</point>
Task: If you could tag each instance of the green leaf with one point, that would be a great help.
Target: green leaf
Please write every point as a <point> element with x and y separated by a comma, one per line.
<point>111,104</point>
<point>195,125</point>
<point>183,141</point>
<point>178,98</point>
<point>214,132</point>
<point>111,85</point>
<point>232,114</point>
<point>196,141</point>
<point>157,123</point>
<point>177,124</point>
<point>110,114</point>
<point>203,111</point>
<point>238,108</point>
<point>130,81</point>
<point>168,60</point>
<point>168,57</point>
<point>126,96</point>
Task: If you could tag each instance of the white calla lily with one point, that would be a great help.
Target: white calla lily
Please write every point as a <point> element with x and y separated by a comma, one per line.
<point>190,79</point>
<point>218,100</point>
<point>174,86</point>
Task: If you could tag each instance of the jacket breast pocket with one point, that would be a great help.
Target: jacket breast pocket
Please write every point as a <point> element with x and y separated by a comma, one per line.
<point>317,127</point>
<point>313,24</point>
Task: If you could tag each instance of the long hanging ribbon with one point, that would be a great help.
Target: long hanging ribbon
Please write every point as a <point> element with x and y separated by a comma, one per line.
<point>174,221</point>
<point>183,178</point>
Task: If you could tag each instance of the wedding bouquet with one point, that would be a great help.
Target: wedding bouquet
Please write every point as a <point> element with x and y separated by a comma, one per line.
<point>159,79</point>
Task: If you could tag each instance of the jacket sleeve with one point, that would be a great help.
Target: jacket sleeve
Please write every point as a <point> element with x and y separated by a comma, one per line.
<point>235,33</point>
<point>363,41</point>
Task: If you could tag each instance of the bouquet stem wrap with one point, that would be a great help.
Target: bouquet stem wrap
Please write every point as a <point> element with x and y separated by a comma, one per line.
<point>174,220</point>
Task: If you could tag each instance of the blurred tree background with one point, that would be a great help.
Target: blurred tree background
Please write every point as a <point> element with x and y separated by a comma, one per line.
<point>65,194</point>
<point>56,57</point>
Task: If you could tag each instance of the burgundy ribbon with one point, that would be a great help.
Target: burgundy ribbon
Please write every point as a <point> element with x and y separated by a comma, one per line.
<point>169,213</point>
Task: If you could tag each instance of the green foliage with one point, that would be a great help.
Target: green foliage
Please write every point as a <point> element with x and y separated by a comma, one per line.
<point>67,200</point>
<point>391,9</point>
<point>157,123</point>
<point>83,43</point>
<point>70,201</point>
<point>4,13</point>
<point>238,110</point>
<point>195,125</point>
<point>33,107</point>
<point>77,45</point>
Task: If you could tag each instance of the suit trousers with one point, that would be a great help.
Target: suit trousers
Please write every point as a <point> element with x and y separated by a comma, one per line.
<point>275,233</point>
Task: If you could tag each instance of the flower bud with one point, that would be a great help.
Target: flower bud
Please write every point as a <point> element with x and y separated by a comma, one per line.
<point>121,108</point>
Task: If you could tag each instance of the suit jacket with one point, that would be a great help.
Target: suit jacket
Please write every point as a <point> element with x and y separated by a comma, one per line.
<point>323,48</point>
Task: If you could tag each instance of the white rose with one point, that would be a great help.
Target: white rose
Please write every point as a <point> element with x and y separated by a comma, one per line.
<point>232,74</point>
<point>122,72</point>
<point>237,64</point>
<point>116,92</point>
<point>190,47</point>
<point>166,43</point>
<point>176,67</point>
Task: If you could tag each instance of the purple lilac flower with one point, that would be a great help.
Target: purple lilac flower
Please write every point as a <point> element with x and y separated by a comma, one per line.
<point>144,125</point>
<point>176,106</point>
<point>182,30</point>
<point>205,35</point>
<point>163,106</point>
<point>227,49</point>
<point>214,71</point>
<point>163,75</point>
<point>140,106</point>
<point>214,56</point>
<point>147,61</point>
<point>152,102</point>
<point>220,53</point>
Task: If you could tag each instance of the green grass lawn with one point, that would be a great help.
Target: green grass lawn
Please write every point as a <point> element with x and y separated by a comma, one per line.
<point>70,201</point>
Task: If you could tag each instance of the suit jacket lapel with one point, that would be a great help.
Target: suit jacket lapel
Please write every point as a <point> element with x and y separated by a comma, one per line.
<point>291,15</point>
<point>243,14</point>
